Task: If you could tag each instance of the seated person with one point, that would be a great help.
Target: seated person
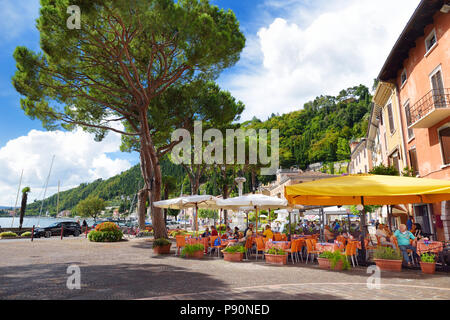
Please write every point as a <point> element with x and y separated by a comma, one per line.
<point>214,231</point>
<point>206,233</point>
<point>268,233</point>
<point>250,226</point>
<point>236,233</point>
<point>403,238</point>
<point>383,235</point>
<point>417,231</point>
<point>242,241</point>
<point>329,236</point>
<point>229,233</point>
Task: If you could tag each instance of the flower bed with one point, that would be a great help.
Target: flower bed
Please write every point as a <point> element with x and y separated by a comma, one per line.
<point>105,232</point>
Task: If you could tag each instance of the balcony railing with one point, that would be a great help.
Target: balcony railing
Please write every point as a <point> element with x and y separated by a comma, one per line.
<point>438,99</point>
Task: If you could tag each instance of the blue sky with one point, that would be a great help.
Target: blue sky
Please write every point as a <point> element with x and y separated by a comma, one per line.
<point>295,50</point>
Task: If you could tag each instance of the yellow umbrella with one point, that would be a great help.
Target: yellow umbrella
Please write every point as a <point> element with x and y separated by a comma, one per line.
<point>369,190</point>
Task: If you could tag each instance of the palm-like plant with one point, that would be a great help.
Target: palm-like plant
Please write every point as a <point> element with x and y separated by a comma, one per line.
<point>23,206</point>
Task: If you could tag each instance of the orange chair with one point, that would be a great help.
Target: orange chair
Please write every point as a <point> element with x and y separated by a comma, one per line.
<point>310,250</point>
<point>300,245</point>
<point>260,246</point>
<point>277,237</point>
<point>181,243</point>
<point>283,237</point>
<point>293,251</point>
<point>248,247</point>
<point>212,246</point>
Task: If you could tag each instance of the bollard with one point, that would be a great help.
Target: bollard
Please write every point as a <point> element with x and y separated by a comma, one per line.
<point>62,232</point>
<point>32,233</point>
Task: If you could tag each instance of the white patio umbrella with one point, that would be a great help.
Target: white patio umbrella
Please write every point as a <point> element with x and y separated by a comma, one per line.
<point>195,201</point>
<point>257,201</point>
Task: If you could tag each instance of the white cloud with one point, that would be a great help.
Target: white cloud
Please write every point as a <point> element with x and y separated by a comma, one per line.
<point>78,158</point>
<point>294,59</point>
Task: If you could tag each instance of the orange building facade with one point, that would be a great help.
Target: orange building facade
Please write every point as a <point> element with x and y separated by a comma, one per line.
<point>418,71</point>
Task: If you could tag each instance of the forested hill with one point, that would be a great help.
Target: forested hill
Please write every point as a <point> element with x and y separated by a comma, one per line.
<point>124,184</point>
<point>320,132</point>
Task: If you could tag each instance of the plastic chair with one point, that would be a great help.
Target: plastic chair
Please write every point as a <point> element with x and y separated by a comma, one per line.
<point>181,243</point>
<point>248,247</point>
<point>277,237</point>
<point>292,251</point>
<point>310,250</point>
<point>212,239</point>
<point>349,252</point>
<point>260,246</point>
<point>283,237</point>
<point>300,246</point>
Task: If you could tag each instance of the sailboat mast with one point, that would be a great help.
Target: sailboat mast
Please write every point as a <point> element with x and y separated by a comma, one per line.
<point>57,201</point>
<point>17,199</point>
<point>45,190</point>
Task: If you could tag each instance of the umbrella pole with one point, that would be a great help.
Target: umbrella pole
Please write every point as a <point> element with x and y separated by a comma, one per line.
<point>290,228</point>
<point>196,218</point>
<point>256,220</point>
<point>322,223</point>
<point>363,232</point>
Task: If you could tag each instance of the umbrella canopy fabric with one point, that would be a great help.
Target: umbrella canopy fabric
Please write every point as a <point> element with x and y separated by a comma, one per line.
<point>253,200</point>
<point>375,190</point>
<point>201,201</point>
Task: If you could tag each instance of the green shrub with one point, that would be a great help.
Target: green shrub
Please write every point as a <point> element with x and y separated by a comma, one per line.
<point>26,234</point>
<point>276,251</point>
<point>427,257</point>
<point>105,236</point>
<point>107,226</point>
<point>336,257</point>
<point>387,253</point>
<point>190,249</point>
<point>8,234</point>
<point>234,249</point>
<point>326,255</point>
<point>160,242</point>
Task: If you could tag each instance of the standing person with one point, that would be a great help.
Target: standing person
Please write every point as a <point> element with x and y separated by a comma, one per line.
<point>403,238</point>
<point>337,226</point>
<point>377,223</point>
<point>85,225</point>
<point>409,223</point>
<point>250,227</point>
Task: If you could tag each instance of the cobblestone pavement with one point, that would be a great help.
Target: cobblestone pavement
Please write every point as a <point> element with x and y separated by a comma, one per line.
<point>130,270</point>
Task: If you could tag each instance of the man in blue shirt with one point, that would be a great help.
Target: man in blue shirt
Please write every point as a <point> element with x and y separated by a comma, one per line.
<point>409,223</point>
<point>403,236</point>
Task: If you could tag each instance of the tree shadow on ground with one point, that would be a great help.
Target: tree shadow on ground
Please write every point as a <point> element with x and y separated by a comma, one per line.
<point>120,281</point>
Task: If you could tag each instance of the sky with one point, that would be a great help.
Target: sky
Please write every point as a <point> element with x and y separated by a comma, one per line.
<point>295,50</point>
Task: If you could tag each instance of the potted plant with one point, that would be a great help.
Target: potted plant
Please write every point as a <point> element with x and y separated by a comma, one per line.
<point>233,253</point>
<point>428,263</point>
<point>193,251</point>
<point>276,256</point>
<point>388,259</point>
<point>324,259</point>
<point>161,246</point>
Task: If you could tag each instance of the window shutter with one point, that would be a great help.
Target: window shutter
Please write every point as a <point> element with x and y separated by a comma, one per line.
<point>391,118</point>
<point>445,144</point>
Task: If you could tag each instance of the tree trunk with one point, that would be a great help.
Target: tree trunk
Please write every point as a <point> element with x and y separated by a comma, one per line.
<point>141,208</point>
<point>22,209</point>
<point>151,172</point>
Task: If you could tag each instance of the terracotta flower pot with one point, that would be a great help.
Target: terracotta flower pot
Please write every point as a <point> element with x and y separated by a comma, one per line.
<point>389,265</point>
<point>428,267</point>
<point>276,259</point>
<point>324,263</point>
<point>162,249</point>
<point>196,255</point>
<point>233,256</point>
<point>338,267</point>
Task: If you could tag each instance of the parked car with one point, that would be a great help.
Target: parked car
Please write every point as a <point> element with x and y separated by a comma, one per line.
<point>69,228</point>
<point>172,225</point>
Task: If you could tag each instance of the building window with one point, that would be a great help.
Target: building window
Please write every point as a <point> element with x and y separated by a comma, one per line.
<point>408,121</point>
<point>393,161</point>
<point>403,77</point>
<point>430,41</point>
<point>413,161</point>
<point>391,118</point>
<point>444,137</point>
<point>438,89</point>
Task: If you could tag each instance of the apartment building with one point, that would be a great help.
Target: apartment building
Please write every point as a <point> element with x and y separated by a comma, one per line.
<point>410,122</point>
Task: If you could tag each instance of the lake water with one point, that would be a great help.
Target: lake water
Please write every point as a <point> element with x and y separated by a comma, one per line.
<point>28,222</point>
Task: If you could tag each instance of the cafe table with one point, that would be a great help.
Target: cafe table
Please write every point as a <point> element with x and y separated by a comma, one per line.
<point>325,246</point>
<point>429,246</point>
<point>277,244</point>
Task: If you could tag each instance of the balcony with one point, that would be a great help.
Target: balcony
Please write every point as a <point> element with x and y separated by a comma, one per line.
<point>430,109</point>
